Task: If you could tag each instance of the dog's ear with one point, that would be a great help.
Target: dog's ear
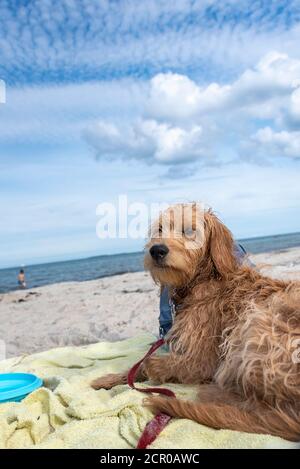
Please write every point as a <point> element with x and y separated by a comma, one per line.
<point>221,246</point>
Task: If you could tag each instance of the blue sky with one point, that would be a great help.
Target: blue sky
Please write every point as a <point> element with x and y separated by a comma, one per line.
<point>162,101</point>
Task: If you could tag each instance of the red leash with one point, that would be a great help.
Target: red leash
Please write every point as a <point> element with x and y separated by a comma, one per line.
<point>158,423</point>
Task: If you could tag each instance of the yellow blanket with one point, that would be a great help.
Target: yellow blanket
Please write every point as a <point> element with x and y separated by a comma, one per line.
<point>67,413</point>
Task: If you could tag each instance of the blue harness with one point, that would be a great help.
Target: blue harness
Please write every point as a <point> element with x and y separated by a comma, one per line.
<point>167,307</point>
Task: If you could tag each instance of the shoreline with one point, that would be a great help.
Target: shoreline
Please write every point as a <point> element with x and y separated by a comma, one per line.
<point>246,241</point>
<point>108,308</point>
<point>99,266</point>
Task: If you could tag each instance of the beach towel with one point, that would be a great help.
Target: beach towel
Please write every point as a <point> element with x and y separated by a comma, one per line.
<point>67,413</point>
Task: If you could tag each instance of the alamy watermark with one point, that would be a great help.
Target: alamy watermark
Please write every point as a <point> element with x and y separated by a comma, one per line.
<point>138,220</point>
<point>2,92</point>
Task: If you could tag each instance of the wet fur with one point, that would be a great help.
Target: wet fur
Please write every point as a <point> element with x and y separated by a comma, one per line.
<point>235,334</point>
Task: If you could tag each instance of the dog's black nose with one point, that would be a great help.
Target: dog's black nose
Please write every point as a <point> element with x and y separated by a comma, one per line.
<point>159,251</point>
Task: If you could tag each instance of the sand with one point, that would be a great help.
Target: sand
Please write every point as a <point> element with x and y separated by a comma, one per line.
<point>111,308</point>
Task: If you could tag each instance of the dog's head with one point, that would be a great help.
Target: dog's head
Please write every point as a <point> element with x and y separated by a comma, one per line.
<point>187,241</point>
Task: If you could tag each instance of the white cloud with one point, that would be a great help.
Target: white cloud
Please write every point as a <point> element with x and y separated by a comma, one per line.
<point>182,121</point>
<point>175,144</point>
<point>174,96</point>
<point>281,143</point>
<point>146,139</point>
<point>275,73</point>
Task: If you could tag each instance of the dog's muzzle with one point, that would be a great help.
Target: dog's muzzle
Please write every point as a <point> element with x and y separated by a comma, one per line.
<point>158,252</point>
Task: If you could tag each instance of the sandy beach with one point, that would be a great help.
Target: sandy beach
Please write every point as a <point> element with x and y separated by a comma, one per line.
<point>77,313</point>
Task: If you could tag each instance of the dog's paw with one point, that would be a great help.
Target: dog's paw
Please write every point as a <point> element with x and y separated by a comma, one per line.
<point>108,381</point>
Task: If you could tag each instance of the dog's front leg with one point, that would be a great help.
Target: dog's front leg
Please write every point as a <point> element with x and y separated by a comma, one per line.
<point>178,369</point>
<point>109,381</point>
<point>114,379</point>
<point>160,369</point>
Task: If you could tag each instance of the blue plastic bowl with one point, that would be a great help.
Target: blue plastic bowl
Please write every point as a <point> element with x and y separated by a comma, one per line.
<point>16,386</point>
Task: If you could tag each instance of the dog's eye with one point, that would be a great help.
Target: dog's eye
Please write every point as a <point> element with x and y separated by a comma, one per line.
<point>160,230</point>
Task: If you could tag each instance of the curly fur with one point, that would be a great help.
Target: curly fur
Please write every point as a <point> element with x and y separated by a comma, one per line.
<point>235,335</point>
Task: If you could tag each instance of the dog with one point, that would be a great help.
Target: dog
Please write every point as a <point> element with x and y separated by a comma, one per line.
<point>235,333</point>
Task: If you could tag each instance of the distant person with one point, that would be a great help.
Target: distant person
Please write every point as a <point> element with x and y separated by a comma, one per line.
<point>21,279</point>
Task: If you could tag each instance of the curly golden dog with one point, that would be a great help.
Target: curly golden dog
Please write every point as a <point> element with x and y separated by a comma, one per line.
<point>236,334</point>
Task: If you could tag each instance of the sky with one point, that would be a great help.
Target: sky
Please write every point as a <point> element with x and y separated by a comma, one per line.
<point>159,101</point>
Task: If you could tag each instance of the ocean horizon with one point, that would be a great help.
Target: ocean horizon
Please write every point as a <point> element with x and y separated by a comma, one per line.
<point>94,267</point>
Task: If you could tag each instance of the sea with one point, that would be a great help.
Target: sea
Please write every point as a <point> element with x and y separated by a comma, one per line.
<point>80,270</point>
